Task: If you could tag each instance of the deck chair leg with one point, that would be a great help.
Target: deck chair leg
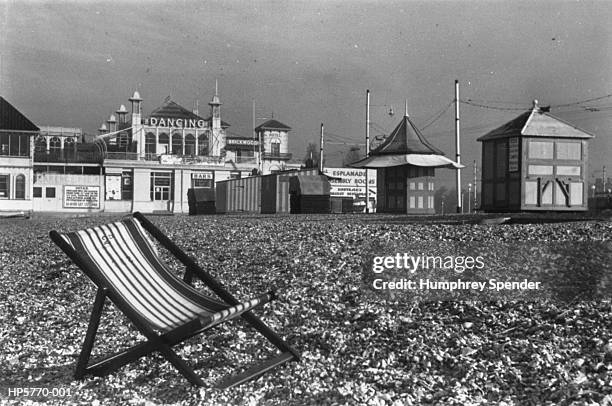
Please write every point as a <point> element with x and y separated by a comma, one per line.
<point>179,364</point>
<point>90,337</point>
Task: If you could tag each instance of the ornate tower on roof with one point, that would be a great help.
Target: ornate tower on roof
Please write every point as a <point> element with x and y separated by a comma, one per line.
<point>217,141</point>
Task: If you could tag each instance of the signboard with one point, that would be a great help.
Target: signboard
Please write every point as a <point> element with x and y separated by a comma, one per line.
<point>349,182</point>
<point>167,159</point>
<point>82,197</point>
<point>113,187</point>
<point>175,122</point>
<point>202,175</point>
<point>249,142</point>
<point>513,154</point>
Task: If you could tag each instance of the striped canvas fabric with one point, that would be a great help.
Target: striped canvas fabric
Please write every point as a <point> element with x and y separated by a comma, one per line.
<point>126,258</point>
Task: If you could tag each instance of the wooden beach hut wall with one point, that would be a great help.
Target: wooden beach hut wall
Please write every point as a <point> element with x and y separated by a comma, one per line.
<point>405,163</point>
<point>536,162</point>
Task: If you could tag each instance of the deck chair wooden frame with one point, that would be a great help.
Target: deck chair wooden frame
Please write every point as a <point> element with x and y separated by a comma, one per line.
<point>160,333</point>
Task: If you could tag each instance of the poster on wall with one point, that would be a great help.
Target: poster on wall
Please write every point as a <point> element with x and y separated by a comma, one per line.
<point>82,197</point>
<point>113,187</point>
<point>513,154</point>
<point>350,182</point>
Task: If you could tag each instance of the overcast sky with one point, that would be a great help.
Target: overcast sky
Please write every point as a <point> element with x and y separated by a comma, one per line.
<point>74,63</point>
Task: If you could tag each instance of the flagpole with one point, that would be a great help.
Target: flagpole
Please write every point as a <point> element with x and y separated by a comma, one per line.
<point>458,147</point>
<point>367,150</point>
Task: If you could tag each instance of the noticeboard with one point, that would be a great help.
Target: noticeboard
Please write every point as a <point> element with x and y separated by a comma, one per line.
<point>513,154</point>
<point>81,197</point>
<point>349,182</point>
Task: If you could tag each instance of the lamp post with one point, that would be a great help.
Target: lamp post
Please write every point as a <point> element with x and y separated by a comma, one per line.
<point>469,197</point>
<point>593,189</point>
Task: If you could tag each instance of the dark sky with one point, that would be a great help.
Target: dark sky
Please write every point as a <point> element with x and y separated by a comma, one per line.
<point>307,62</point>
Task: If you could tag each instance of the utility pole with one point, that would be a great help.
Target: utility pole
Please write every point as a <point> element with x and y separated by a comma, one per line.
<point>321,150</point>
<point>458,147</point>
<point>604,180</point>
<point>475,186</point>
<point>258,143</point>
<point>367,150</point>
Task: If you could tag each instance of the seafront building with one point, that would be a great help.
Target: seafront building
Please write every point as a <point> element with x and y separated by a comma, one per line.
<point>135,163</point>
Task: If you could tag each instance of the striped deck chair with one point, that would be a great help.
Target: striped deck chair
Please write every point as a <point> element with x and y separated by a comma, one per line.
<point>123,263</point>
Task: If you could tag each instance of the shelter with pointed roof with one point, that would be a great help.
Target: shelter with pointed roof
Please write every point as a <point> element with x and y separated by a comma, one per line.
<point>17,135</point>
<point>406,164</point>
<point>534,162</point>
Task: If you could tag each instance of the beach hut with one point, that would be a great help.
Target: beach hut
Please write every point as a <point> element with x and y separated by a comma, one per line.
<point>535,162</point>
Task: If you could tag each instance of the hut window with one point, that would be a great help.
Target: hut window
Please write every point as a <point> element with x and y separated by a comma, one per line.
<point>540,150</point>
<point>540,169</point>
<point>569,150</point>
<point>531,192</point>
<point>568,170</point>
<point>576,193</point>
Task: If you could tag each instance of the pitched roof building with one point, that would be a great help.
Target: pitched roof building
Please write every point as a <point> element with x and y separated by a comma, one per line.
<point>534,162</point>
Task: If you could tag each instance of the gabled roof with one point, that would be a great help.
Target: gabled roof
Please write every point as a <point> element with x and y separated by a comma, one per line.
<point>536,123</point>
<point>171,109</point>
<point>405,139</point>
<point>12,119</point>
<point>273,125</point>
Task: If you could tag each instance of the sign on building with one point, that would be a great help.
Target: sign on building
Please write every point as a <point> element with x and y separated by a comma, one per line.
<point>513,154</point>
<point>113,187</point>
<point>82,197</point>
<point>349,182</point>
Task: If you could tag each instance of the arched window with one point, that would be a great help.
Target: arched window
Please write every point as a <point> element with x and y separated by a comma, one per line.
<point>20,186</point>
<point>275,148</point>
<point>150,144</point>
<point>55,145</point>
<point>69,144</point>
<point>40,144</point>
<point>203,144</point>
<point>164,141</point>
<point>189,144</point>
<point>177,143</point>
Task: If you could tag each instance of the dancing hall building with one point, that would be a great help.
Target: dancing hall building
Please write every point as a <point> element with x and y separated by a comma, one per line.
<point>136,162</point>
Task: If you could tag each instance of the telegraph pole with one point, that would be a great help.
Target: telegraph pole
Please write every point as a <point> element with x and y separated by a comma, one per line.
<point>458,146</point>
<point>367,150</point>
<point>321,150</point>
<point>475,186</point>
